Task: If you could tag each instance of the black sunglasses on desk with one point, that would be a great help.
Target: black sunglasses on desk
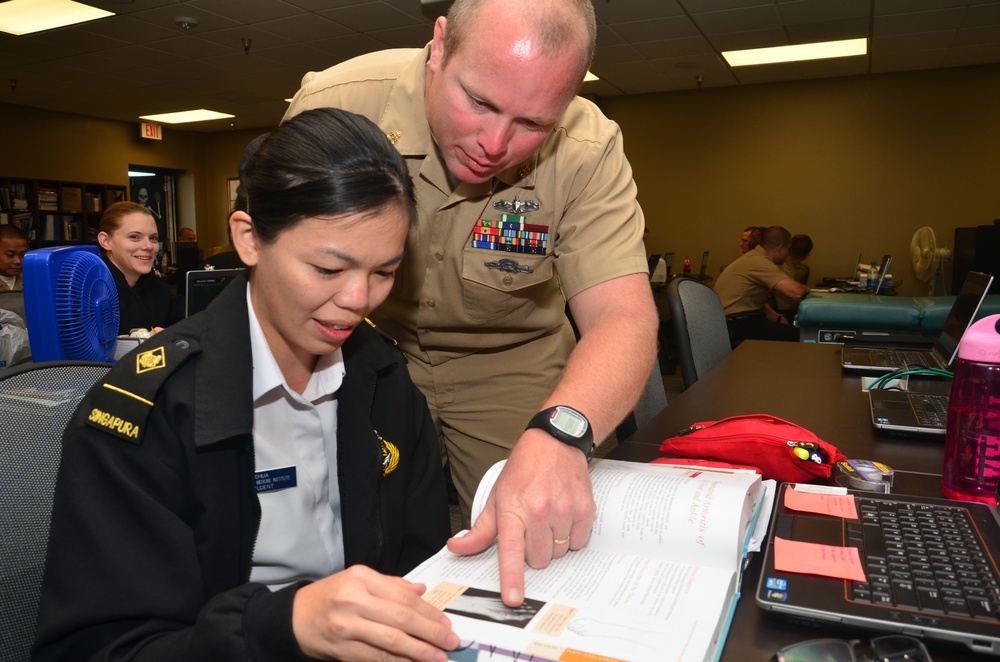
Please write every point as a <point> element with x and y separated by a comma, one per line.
<point>890,648</point>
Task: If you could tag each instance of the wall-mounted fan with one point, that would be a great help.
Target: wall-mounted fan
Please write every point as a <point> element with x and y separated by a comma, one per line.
<point>71,304</point>
<point>928,259</point>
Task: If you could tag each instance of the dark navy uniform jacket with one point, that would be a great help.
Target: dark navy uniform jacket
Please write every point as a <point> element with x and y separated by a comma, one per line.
<point>149,304</point>
<point>156,513</point>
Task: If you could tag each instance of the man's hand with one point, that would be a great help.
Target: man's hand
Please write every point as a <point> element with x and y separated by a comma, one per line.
<point>359,614</point>
<point>541,506</point>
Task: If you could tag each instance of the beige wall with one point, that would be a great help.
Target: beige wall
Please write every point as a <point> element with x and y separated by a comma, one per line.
<point>38,144</point>
<point>856,163</point>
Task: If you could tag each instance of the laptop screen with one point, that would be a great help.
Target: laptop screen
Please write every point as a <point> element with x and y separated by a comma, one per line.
<point>962,314</point>
<point>205,285</point>
<point>883,270</point>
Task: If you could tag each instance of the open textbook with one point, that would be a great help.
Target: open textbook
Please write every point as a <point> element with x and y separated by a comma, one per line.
<point>658,580</point>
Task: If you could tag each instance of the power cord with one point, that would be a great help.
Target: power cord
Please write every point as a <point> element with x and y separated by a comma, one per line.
<point>906,371</point>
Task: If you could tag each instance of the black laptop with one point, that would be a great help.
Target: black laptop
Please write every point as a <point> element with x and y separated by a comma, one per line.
<point>203,285</point>
<point>860,286</point>
<point>842,281</point>
<point>906,413</point>
<point>963,312</point>
<point>930,569</point>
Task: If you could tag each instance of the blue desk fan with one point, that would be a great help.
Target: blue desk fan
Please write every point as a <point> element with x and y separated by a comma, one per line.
<point>71,304</point>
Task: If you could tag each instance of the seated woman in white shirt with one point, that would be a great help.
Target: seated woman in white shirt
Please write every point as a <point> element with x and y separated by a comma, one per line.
<point>249,483</point>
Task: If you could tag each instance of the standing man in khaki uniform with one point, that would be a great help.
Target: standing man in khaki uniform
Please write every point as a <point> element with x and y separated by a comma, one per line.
<point>526,201</point>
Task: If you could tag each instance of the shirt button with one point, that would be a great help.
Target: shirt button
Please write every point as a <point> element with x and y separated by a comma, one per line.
<point>507,280</point>
<point>439,257</point>
<point>431,303</point>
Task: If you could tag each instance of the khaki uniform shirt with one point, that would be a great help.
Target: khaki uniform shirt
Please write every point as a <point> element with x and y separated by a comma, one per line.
<point>746,283</point>
<point>18,285</point>
<point>488,340</point>
<point>447,302</point>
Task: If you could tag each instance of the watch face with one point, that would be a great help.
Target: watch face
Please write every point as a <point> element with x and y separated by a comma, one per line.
<point>569,421</point>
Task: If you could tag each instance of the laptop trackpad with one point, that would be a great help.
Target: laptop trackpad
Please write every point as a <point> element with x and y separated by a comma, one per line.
<point>804,528</point>
<point>896,405</point>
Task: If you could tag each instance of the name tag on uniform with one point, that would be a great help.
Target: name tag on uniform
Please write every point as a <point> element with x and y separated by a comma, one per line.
<point>272,480</point>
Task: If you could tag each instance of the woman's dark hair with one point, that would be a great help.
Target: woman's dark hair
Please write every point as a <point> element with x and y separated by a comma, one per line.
<point>323,162</point>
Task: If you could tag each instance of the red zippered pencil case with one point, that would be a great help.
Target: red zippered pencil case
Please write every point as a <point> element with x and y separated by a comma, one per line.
<point>782,450</point>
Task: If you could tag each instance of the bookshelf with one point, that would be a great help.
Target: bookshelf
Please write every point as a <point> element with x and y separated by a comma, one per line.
<point>53,212</point>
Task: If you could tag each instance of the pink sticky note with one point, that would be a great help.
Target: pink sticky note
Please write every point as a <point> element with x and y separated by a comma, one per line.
<point>836,505</point>
<point>812,559</point>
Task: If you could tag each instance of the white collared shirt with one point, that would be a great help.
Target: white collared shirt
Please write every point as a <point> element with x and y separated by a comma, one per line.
<point>294,435</point>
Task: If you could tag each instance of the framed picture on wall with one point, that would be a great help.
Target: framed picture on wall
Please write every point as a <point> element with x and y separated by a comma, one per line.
<point>231,185</point>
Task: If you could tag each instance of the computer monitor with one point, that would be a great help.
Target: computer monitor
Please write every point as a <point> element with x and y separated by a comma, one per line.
<point>652,261</point>
<point>203,285</point>
<point>187,256</point>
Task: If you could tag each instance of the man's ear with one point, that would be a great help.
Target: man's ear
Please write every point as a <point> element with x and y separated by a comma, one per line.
<point>437,44</point>
<point>244,238</point>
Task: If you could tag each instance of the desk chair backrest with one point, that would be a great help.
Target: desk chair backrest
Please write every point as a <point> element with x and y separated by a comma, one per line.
<point>36,402</point>
<point>652,401</point>
<point>699,325</point>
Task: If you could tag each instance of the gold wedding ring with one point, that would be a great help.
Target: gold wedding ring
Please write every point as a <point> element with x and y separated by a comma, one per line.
<point>561,541</point>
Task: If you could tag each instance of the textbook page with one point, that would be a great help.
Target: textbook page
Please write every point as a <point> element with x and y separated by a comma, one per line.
<point>656,581</point>
<point>696,515</point>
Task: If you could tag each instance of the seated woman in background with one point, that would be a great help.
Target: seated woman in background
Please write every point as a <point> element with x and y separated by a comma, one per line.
<point>256,475</point>
<point>129,242</point>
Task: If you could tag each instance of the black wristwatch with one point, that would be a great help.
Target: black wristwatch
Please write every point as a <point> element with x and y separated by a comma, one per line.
<point>568,426</point>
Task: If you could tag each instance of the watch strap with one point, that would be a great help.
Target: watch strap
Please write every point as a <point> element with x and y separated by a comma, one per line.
<point>543,421</point>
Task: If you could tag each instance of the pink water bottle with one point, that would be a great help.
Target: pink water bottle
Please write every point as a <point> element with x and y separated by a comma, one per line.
<point>972,445</point>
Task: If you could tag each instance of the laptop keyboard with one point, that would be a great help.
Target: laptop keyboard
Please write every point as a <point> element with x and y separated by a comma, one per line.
<point>931,410</point>
<point>891,358</point>
<point>922,557</point>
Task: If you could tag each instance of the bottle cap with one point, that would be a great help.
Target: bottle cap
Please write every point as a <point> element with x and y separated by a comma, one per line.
<point>981,341</point>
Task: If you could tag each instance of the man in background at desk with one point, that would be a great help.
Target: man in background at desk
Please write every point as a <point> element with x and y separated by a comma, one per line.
<point>13,246</point>
<point>488,119</point>
<point>746,284</point>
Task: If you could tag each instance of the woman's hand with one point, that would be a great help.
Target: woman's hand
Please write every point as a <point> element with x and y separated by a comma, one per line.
<point>359,614</point>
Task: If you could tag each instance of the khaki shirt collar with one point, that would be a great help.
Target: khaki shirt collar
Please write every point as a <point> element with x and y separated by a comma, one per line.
<point>405,123</point>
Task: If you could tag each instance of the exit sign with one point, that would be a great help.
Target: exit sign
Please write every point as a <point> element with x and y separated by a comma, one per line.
<point>150,131</point>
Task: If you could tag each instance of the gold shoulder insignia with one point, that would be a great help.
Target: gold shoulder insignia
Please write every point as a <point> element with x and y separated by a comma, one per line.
<point>121,403</point>
<point>390,455</point>
<point>154,359</point>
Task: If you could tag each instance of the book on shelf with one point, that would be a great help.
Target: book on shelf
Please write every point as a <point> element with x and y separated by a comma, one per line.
<point>658,580</point>
<point>92,202</point>
<point>72,228</point>
<point>51,227</point>
<point>25,222</point>
<point>48,199</point>
<point>72,198</point>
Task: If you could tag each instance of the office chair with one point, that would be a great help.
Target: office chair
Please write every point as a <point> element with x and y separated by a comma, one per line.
<point>699,325</point>
<point>36,402</point>
<point>652,401</point>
